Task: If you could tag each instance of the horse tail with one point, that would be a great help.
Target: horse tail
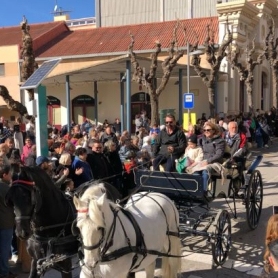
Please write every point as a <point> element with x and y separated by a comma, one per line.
<point>171,265</point>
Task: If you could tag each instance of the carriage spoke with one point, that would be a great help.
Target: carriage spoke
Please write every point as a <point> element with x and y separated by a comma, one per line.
<point>254,199</point>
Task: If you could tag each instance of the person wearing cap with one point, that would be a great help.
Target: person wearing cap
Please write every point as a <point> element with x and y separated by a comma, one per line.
<point>169,146</point>
<point>46,164</point>
<point>193,154</point>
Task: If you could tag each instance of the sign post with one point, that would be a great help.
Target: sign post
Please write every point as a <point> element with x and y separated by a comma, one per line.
<point>188,103</point>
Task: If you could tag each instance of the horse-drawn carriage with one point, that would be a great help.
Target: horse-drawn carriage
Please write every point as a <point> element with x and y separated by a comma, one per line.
<point>117,239</point>
<point>196,215</point>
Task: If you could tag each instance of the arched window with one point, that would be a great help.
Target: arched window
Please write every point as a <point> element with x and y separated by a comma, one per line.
<point>54,111</point>
<point>83,107</point>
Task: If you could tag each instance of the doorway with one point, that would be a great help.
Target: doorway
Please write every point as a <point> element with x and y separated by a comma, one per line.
<point>139,102</point>
<point>54,111</point>
<point>83,107</point>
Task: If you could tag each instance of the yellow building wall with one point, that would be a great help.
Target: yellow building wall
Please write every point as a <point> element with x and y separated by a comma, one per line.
<point>9,56</point>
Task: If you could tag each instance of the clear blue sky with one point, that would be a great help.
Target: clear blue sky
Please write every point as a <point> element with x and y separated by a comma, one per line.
<point>37,11</point>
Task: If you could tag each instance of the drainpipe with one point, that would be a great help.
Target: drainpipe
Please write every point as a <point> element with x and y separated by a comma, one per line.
<point>96,102</point>
<point>128,96</point>
<point>180,98</point>
<point>122,91</point>
<point>68,103</point>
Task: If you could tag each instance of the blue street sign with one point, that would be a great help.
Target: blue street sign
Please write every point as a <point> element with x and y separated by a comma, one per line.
<point>188,101</point>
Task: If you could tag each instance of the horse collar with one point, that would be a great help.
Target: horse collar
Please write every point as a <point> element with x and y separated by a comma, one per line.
<point>30,183</point>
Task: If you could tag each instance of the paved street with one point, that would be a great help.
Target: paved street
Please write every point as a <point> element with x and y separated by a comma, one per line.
<point>245,258</point>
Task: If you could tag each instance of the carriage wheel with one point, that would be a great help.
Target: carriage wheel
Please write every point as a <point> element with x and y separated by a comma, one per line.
<point>254,199</point>
<point>222,242</point>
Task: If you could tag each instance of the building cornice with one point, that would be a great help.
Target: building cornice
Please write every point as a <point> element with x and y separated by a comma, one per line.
<point>265,6</point>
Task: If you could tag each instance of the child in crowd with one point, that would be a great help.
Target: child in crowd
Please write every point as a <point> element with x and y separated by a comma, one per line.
<point>193,154</point>
<point>67,186</point>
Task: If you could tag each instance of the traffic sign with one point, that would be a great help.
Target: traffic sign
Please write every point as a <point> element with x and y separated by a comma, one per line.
<point>188,101</point>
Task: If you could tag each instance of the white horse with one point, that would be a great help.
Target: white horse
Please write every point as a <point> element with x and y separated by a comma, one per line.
<point>110,240</point>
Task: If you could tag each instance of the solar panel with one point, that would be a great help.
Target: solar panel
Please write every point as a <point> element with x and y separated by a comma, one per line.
<point>40,74</point>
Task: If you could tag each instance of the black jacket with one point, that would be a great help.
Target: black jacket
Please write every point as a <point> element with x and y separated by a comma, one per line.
<point>99,165</point>
<point>176,139</point>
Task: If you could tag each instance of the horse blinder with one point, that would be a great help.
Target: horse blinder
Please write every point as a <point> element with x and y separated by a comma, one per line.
<point>97,245</point>
<point>74,229</point>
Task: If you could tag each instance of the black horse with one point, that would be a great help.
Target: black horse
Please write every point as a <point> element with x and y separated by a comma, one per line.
<point>44,216</point>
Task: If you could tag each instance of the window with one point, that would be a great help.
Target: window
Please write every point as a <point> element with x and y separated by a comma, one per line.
<point>2,69</point>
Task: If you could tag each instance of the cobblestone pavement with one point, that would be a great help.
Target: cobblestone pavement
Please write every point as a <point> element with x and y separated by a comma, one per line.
<point>245,258</point>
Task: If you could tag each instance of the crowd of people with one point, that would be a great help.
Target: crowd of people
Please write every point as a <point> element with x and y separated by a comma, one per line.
<point>88,152</point>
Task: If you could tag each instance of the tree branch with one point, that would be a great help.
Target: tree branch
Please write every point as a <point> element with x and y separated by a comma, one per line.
<point>138,71</point>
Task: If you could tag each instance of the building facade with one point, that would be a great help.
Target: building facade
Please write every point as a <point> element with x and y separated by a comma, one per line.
<point>92,56</point>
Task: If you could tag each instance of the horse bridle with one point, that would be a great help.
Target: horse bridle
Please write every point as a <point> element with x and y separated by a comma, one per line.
<point>109,241</point>
<point>30,187</point>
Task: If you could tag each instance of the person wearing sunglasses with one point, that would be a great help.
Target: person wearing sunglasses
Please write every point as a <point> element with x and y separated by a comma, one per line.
<point>213,146</point>
<point>169,146</point>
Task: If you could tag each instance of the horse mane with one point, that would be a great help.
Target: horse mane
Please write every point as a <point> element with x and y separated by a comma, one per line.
<point>95,189</point>
<point>96,212</point>
<point>41,179</point>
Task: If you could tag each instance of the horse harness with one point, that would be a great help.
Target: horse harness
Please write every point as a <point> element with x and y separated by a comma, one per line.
<point>50,241</point>
<point>140,247</point>
<point>31,185</point>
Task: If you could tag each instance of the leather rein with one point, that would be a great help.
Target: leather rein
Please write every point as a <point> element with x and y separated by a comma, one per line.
<point>139,249</point>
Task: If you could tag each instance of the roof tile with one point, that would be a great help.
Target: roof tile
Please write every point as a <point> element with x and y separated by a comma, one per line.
<point>55,39</point>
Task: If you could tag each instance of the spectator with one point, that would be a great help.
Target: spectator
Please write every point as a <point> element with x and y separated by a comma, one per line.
<point>265,131</point>
<point>70,148</point>
<point>170,145</point>
<point>113,158</point>
<point>45,164</point>
<point>67,186</point>
<point>154,130</point>
<point>213,147</point>
<point>117,126</point>
<point>145,121</point>
<point>271,245</point>
<point>30,130</point>
<point>138,123</point>
<point>108,135</point>
<point>27,149</point>
<point>6,132</point>
<point>147,145</point>
<point>135,144</point>
<point>98,162</point>
<point>6,224</point>
<point>143,160</point>
<point>125,149</point>
<point>18,138</point>
<point>80,162</point>
<point>4,149</point>
<point>12,151</point>
<point>86,126</point>
<point>193,155</point>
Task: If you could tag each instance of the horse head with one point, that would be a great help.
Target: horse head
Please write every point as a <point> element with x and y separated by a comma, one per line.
<point>25,197</point>
<point>92,231</point>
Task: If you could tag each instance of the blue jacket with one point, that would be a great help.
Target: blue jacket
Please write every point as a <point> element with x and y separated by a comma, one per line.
<point>87,174</point>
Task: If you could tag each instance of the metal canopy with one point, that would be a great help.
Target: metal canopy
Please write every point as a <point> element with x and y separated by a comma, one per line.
<point>40,74</point>
<point>110,70</point>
